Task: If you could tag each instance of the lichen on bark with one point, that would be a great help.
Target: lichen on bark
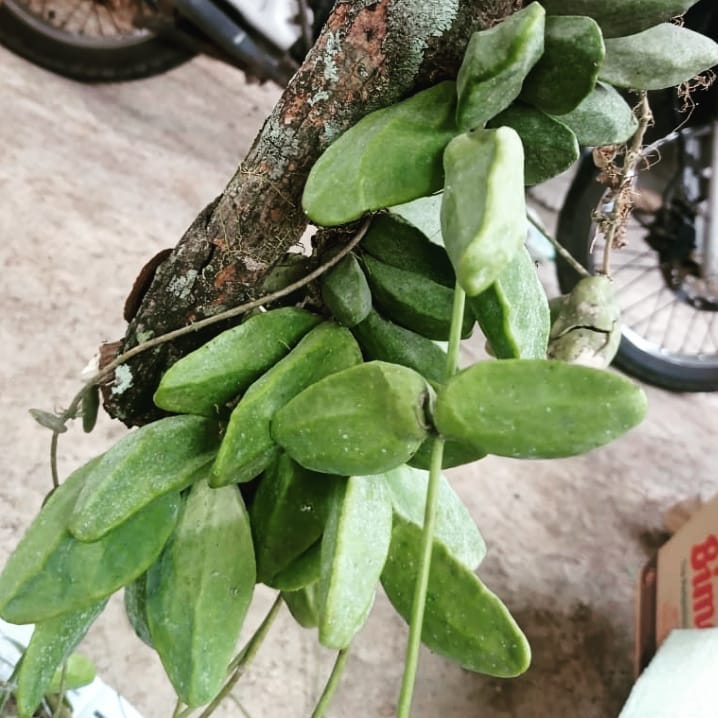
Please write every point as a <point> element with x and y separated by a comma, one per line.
<point>370,54</point>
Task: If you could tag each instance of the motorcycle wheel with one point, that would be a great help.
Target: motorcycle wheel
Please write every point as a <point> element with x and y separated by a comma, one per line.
<point>669,326</point>
<point>86,40</point>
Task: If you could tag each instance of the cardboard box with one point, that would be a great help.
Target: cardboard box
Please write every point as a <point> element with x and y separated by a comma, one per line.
<point>679,587</point>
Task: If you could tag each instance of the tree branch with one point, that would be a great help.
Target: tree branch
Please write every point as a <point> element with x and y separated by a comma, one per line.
<point>370,54</point>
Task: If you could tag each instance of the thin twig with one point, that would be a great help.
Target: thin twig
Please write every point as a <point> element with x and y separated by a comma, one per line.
<point>560,249</point>
<point>72,410</point>
<point>246,656</point>
<point>611,225</point>
<point>335,678</point>
<point>53,459</point>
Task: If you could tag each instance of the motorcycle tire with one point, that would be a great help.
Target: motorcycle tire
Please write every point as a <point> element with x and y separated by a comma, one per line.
<point>81,57</point>
<point>643,359</point>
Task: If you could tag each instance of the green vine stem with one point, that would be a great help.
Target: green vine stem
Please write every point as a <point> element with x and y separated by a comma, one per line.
<point>560,249</point>
<point>332,684</point>
<point>411,661</point>
<point>73,409</point>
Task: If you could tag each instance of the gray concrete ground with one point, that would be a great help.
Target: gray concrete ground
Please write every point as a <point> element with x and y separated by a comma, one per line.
<point>95,180</point>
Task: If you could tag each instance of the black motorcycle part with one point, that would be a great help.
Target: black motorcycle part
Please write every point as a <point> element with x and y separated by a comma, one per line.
<point>235,42</point>
<point>85,58</point>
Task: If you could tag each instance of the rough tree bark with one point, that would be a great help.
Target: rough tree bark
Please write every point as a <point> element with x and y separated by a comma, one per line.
<point>370,54</point>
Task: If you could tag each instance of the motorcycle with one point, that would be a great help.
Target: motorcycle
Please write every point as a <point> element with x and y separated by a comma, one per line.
<point>666,277</point>
<point>113,40</point>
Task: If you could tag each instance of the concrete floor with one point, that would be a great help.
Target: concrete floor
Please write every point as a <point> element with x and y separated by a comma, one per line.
<point>95,180</point>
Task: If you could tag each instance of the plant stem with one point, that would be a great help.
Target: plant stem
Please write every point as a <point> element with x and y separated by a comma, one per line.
<point>411,661</point>
<point>245,656</point>
<point>575,264</point>
<point>332,684</point>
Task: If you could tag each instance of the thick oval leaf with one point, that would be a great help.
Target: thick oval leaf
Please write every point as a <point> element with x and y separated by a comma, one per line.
<point>513,312</point>
<point>463,620</point>
<point>537,409</point>
<point>288,514</point>
<point>623,17</point>
<point>398,243</point>
<point>199,590</point>
<point>383,340</point>
<point>454,527</point>
<point>390,156</point>
<point>587,329</point>
<point>483,211</point>
<point>346,292</point>
<point>413,301</point>
<point>220,370</point>
<point>549,146</point>
<point>248,448</point>
<point>568,69</point>
<point>52,643</point>
<point>662,56</point>
<point>364,420</point>
<point>51,572</point>
<point>153,460</point>
<point>495,64</point>
<point>602,118</point>
<point>354,549</point>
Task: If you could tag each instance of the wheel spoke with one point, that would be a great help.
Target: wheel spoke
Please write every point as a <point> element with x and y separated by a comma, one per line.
<point>86,18</point>
<point>689,331</point>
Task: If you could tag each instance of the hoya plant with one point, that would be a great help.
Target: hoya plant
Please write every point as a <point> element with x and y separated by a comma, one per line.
<point>303,446</point>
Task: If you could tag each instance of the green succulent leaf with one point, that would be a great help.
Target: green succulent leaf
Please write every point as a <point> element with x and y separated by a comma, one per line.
<point>495,65</point>
<point>620,17</point>
<point>662,56</point>
<point>602,118</point>
<point>346,292</point>
<point>390,156</point>
<point>483,212</point>
<point>360,421</point>
<point>354,548</point>
<point>513,312</point>
<point>455,529</point>
<point>537,409</point>
<point>164,456</point>
<point>288,514</point>
<point>199,590</point>
<point>51,572</point>
<point>51,645</point>
<point>220,370</point>
<point>550,147</point>
<point>463,620</point>
<point>568,69</point>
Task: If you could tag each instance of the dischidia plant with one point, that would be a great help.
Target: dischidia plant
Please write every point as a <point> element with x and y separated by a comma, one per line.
<point>304,447</point>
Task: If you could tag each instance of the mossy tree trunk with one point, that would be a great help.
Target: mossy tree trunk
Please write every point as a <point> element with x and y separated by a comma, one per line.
<point>370,54</point>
